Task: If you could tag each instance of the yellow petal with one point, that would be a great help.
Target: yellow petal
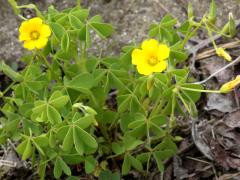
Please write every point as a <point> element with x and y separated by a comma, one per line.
<point>24,36</point>
<point>150,46</point>
<point>45,31</point>
<point>41,43</point>
<point>30,45</point>
<point>144,69</point>
<point>138,56</point>
<point>36,21</point>
<point>163,52</point>
<point>160,67</point>
<point>25,27</point>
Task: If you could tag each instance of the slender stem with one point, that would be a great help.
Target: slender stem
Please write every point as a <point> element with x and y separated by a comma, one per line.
<point>50,68</point>
<point>220,70</point>
<point>189,34</point>
<point>148,135</point>
<point>79,3</point>
<point>171,122</point>
<point>158,106</point>
<point>8,88</point>
<point>83,60</point>
<point>200,90</point>
<point>210,35</point>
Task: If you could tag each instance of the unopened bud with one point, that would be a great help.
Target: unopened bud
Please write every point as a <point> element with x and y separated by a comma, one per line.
<point>229,86</point>
<point>222,53</point>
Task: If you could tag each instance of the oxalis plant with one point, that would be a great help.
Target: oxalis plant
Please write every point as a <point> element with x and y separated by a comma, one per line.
<point>72,113</point>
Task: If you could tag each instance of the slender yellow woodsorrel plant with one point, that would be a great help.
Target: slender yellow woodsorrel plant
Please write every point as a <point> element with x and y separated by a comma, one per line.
<point>68,108</point>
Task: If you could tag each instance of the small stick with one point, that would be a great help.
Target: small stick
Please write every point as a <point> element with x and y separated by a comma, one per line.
<point>218,71</point>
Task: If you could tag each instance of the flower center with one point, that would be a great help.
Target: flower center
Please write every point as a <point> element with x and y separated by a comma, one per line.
<point>152,61</point>
<point>34,35</point>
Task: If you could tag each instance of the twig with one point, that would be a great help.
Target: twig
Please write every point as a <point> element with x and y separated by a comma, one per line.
<point>7,163</point>
<point>211,52</point>
<point>218,71</point>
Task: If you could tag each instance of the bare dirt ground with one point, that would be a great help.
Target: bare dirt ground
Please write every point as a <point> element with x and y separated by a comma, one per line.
<point>215,151</point>
<point>131,19</point>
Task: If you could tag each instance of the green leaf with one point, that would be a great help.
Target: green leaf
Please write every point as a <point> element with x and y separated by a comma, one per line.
<point>123,106</point>
<point>15,76</point>
<point>130,142</point>
<point>179,55</point>
<point>57,171</point>
<point>136,163</point>
<point>232,25</point>
<point>53,115</point>
<point>79,146</point>
<point>65,42</point>
<point>25,149</point>
<point>39,106</point>
<point>80,13</point>
<point>118,148</point>
<point>40,150</point>
<point>68,140</point>
<point>57,30</point>
<point>81,82</point>
<point>126,166</point>
<point>84,35</point>
<point>75,22</point>
<point>65,167</point>
<point>195,96</point>
<point>41,140</point>
<point>42,169</point>
<point>86,138</point>
<point>86,121</point>
<point>212,12</point>
<point>167,144</point>
<point>90,164</point>
<point>102,29</point>
<point>184,28</point>
<point>159,162</point>
<point>96,18</point>
<point>190,10</point>
<point>168,21</point>
<point>108,175</point>
<point>58,100</point>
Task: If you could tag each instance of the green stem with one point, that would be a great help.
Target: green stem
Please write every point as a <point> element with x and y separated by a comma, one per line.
<point>190,34</point>
<point>200,90</point>
<point>171,122</point>
<point>50,68</point>
<point>8,88</point>
<point>148,136</point>
<point>79,3</point>
<point>83,60</point>
<point>210,35</point>
<point>157,108</point>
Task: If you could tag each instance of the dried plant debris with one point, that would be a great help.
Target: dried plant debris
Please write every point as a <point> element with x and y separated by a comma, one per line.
<point>212,64</point>
<point>219,102</point>
<point>220,140</point>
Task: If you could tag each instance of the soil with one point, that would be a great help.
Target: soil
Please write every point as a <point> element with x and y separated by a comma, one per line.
<point>131,19</point>
<point>207,158</point>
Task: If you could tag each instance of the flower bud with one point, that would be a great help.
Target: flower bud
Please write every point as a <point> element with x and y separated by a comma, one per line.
<point>222,53</point>
<point>229,86</point>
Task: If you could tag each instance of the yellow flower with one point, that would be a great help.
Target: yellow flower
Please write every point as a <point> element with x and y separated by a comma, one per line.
<point>34,33</point>
<point>229,86</point>
<point>222,53</point>
<point>151,57</point>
